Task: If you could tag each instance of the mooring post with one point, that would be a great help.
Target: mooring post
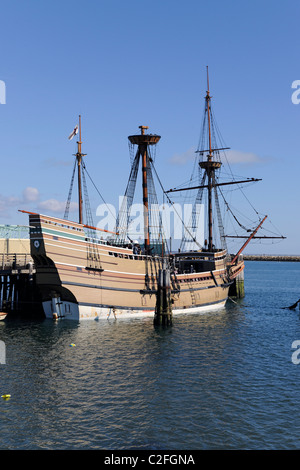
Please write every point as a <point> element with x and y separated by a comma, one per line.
<point>237,287</point>
<point>163,309</point>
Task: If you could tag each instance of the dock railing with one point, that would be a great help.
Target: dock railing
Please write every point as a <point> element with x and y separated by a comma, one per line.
<point>15,262</point>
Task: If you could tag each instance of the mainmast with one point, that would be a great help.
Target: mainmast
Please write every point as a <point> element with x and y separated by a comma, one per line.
<point>209,166</point>
<point>79,156</point>
<point>143,141</point>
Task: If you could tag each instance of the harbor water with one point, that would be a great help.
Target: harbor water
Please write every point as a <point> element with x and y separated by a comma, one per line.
<point>225,380</point>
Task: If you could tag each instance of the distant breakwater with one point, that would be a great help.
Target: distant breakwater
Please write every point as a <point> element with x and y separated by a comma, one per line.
<point>271,258</point>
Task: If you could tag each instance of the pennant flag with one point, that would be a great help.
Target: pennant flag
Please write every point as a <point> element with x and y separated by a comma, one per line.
<point>75,131</point>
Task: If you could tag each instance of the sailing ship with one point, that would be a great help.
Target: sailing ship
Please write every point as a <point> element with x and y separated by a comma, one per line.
<point>81,276</point>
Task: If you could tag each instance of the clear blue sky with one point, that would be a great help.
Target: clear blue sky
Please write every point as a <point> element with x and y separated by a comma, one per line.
<point>121,64</point>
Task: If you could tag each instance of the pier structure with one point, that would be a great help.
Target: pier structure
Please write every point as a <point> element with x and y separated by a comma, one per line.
<point>280,258</point>
<point>18,293</point>
<point>17,284</point>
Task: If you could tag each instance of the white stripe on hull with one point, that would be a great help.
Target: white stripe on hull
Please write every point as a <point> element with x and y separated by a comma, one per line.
<point>56,309</point>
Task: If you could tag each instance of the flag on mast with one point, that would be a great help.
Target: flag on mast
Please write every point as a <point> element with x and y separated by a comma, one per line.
<point>74,132</point>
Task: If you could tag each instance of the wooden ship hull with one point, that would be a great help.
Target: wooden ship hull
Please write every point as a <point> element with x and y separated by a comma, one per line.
<point>83,278</point>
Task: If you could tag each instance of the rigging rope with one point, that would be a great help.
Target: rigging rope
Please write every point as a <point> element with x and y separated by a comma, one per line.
<point>170,202</point>
<point>194,214</point>
<point>122,221</point>
<point>218,132</point>
<point>221,228</point>
<point>229,209</point>
<point>155,218</point>
<point>84,167</point>
<point>88,212</point>
<point>66,215</point>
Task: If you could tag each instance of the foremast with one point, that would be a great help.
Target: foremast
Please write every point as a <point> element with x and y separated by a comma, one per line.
<point>79,156</point>
<point>78,164</point>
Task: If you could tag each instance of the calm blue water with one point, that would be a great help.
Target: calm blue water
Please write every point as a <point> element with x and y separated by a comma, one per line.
<point>219,381</point>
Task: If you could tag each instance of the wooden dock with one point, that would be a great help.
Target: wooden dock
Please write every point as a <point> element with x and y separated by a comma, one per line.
<point>18,293</point>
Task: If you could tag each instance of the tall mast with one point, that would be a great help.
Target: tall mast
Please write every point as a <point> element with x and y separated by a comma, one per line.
<point>143,141</point>
<point>209,166</point>
<point>209,176</point>
<point>208,112</point>
<point>143,151</point>
<point>79,156</point>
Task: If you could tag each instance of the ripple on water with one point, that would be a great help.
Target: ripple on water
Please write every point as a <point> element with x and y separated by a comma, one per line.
<point>219,381</point>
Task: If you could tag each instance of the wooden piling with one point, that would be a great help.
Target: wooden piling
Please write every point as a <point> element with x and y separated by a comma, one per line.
<point>237,287</point>
<point>163,308</point>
